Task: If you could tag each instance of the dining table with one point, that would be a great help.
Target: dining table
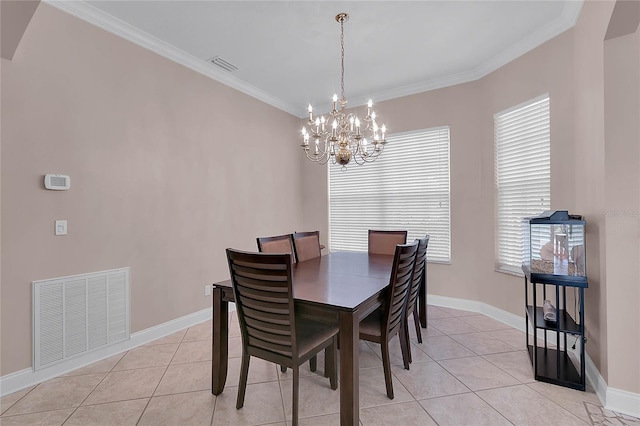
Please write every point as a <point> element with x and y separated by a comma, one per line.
<point>339,288</point>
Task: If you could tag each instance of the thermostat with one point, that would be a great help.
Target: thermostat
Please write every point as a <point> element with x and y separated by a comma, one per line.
<point>57,182</point>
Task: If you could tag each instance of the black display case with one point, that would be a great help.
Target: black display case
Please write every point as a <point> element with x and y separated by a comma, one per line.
<point>553,260</point>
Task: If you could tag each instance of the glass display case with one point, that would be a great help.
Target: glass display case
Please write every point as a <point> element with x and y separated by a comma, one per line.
<point>554,247</point>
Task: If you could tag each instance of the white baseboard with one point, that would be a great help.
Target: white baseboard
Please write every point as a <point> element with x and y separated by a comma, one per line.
<point>622,401</point>
<point>595,379</point>
<point>617,400</point>
<point>497,314</point>
<point>24,378</point>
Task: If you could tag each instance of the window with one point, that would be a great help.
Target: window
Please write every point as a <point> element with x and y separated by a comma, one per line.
<point>523,175</point>
<point>406,188</point>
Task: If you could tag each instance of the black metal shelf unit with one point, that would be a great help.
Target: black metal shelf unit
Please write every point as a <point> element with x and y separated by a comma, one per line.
<point>553,364</point>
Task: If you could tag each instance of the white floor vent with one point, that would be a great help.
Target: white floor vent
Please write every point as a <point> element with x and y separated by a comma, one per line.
<point>74,315</point>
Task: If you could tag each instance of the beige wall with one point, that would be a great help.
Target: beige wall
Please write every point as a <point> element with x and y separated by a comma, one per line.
<point>168,168</point>
<point>589,157</point>
<point>622,202</point>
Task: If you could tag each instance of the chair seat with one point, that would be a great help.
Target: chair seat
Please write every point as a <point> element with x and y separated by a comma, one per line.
<point>311,334</point>
<point>371,327</point>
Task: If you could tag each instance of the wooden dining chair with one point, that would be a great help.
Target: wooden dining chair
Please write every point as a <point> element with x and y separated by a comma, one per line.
<point>384,323</point>
<point>384,242</point>
<point>419,270</point>
<point>277,244</point>
<point>283,244</point>
<point>271,330</point>
<point>306,245</point>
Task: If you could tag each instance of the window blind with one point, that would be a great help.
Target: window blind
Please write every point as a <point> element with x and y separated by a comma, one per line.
<point>406,188</point>
<point>523,174</point>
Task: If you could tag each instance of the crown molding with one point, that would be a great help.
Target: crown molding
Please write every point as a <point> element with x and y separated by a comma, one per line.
<point>567,19</point>
<point>92,15</point>
<point>95,16</point>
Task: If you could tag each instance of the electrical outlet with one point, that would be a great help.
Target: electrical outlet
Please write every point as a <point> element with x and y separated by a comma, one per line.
<point>207,290</point>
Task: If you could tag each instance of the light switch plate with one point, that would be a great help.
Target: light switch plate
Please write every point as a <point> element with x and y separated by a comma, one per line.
<point>61,227</point>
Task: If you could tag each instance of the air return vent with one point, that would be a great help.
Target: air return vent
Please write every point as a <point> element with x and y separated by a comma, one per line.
<point>74,315</point>
<point>217,60</point>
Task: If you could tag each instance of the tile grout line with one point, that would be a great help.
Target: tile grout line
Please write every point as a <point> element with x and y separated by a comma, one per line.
<point>94,388</point>
<point>18,400</point>
<point>161,377</point>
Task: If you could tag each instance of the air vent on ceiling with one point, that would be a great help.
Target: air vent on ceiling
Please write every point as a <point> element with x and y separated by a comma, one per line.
<point>217,60</point>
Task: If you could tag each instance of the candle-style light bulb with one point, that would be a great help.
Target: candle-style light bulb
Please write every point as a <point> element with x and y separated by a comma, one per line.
<point>357,126</point>
<point>369,105</point>
<point>384,130</point>
<point>310,113</point>
<point>335,102</point>
<point>335,127</point>
<point>373,115</point>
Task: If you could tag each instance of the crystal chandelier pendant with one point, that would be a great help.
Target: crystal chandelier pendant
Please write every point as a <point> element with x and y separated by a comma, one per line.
<point>342,138</point>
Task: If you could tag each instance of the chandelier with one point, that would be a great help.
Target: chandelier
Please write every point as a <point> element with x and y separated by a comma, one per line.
<point>341,137</point>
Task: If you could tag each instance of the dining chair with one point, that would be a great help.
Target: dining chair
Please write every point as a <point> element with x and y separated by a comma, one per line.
<point>277,244</point>
<point>270,329</point>
<point>306,245</point>
<point>419,270</point>
<point>384,242</point>
<point>283,244</point>
<point>384,323</point>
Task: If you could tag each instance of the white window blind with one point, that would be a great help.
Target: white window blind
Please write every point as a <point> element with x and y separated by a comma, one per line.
<point>406,188</point>
<point>523,174</point>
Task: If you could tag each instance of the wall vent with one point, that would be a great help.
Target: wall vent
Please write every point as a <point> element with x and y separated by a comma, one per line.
<point>217,60</point>
<point>75,315</point>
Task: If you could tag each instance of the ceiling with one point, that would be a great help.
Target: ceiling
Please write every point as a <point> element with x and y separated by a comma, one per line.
<point>288,52</point>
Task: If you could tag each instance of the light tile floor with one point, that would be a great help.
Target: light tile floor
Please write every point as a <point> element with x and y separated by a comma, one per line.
<point>470,370</point>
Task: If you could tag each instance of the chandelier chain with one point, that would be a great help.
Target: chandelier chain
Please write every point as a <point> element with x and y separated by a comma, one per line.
<point>342,58</point>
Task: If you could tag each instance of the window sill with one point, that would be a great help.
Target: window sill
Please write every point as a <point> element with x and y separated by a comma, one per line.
<point>519,274</point>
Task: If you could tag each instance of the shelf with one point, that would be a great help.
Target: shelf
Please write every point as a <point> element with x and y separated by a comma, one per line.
<point>566,324</point>
<point>566,280</point>
<point>547,368</point>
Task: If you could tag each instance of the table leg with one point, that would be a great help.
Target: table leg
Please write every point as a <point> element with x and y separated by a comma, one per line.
<point>349,369</point>
<point>422,300</point>
<point>220,342</point>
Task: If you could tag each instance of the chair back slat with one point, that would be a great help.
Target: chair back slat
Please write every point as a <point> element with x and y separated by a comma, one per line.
<point>400,281</point>
<point>306,245</point>
<point>262,286</point>
<point>384,242</point>
<point>418,271</point>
